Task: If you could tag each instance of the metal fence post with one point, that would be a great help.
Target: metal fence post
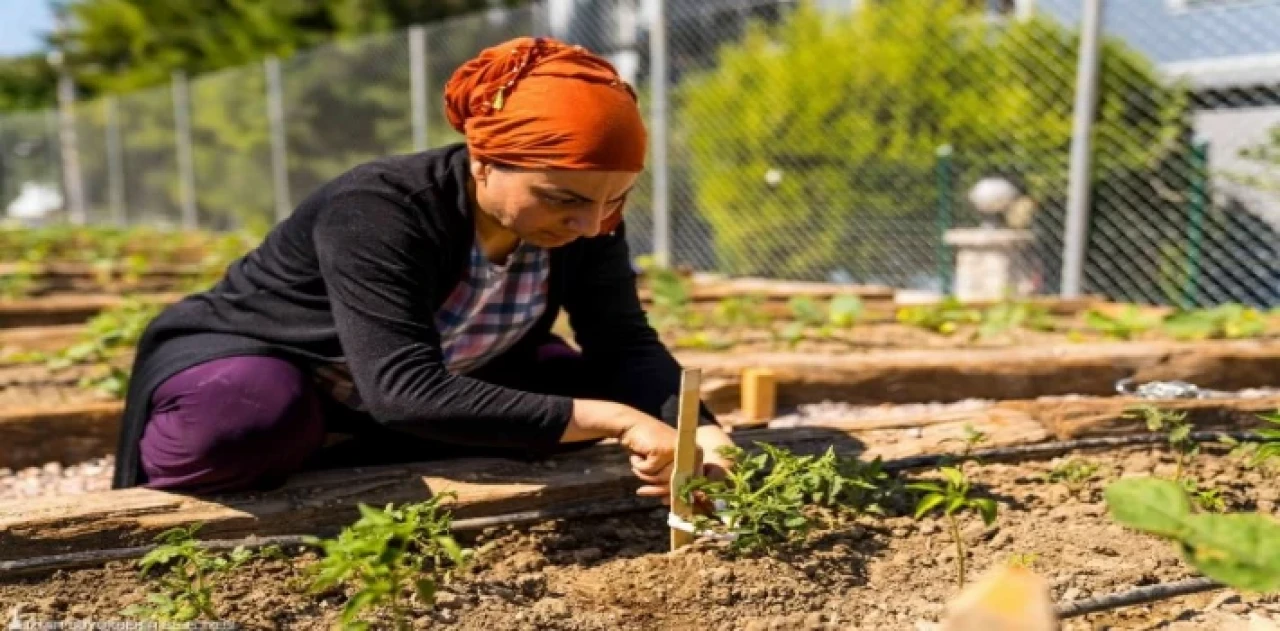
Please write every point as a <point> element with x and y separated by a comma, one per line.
<point>1076,233</point>
<point>658,133</point>
<point>182,139</point>
<point>1197,200</point>
<point>946,214</point>
<point>418,78</point>
<point>69,146</point>
<point>279,147</point>
<point>115,160</point>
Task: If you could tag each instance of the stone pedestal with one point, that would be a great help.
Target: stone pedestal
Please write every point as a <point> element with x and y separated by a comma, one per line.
<point>991,262</point>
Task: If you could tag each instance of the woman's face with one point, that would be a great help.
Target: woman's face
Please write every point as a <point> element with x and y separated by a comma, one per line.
<point>550,208</point>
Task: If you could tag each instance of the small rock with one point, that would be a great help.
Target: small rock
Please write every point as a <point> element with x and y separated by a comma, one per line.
<point>53,468</point>
<point>979,532</point>
<point>901,532</point>
<point>1266,506</point>
<point>553,608</point>
<point>448,600</point>
<point>1002,539</point>
<point>929,528</point>
<point>814,621</point>
<point>1072,593</point>
<point>720,575</point>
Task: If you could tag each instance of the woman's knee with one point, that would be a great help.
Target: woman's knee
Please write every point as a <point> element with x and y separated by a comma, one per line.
<point>232,421</point>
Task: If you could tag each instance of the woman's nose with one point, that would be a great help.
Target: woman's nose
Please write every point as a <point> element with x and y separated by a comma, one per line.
<point>587,223</point>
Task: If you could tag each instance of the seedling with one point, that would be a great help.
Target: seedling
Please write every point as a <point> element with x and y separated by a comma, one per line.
<point>952,498</point>
<point>1269,445</point>
<point>1127,324</point>
<point>844,311</point>
<point>741,311</point>
<point>971,439</point>
<point>386,553</point>
<point>764,498</point>
<point>1022,559</point>
<point>943,317</point>
<point>1240,550</point>
<point>1179,430</point>
<point>190,574</point>
<point>1207,498</point>
<point>1074,473</point>
<point>1228,321</point>
<point>1009,315</point>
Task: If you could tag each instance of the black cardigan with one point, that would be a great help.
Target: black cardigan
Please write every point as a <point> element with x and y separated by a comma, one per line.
<point>356,274</point>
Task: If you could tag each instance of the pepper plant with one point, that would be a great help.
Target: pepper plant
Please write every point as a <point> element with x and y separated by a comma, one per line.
<point>1178,428</point>
<point>387,553</point>
<point>189,576</point>
<point>767,498</point>
<point>952,497</point>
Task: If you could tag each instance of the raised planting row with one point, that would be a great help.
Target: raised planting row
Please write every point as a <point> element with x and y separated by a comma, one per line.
<point>798,536</point>
<point>73,412</point>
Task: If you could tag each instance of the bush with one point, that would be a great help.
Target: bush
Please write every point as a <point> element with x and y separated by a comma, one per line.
<point>852,110</point>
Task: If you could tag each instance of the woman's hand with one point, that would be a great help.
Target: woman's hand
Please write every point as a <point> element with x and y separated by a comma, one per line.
<point>651,443</point>
<point>710,439</point>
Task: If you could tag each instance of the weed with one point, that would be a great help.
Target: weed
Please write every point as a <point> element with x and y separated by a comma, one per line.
<point>191,572</point>
<point>1126,324</point>
<point>953,497</point>
<point>1241,550</point>
<point>1074,473</point>
<point>806,311</point>
<point>1178,428</point>
<point>764,499</point>
<point>387,552</point>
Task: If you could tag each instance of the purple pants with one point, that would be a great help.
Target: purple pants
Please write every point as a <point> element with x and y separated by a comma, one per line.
<point>249,422</point>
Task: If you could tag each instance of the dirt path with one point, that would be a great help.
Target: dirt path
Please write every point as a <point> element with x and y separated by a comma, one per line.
<point>871,573</point>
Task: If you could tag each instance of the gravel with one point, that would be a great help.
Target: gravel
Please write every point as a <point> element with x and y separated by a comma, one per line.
<point>56,479</point>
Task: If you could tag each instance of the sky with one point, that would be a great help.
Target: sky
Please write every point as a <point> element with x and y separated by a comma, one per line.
<point>22,23</point>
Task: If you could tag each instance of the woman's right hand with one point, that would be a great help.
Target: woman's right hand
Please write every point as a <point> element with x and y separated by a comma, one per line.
<point>651,443</point>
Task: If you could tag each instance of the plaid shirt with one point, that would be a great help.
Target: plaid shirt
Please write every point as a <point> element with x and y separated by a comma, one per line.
<point>490,309</point>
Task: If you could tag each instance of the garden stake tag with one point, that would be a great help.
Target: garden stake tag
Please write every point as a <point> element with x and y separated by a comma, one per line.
<point>686,451</point>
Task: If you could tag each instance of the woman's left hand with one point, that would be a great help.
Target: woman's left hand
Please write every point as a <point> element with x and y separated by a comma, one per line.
<point>710,439</point>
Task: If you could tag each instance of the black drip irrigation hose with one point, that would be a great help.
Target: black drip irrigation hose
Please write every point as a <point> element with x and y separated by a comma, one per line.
<point>44,564</point>
<point>1137,596</point>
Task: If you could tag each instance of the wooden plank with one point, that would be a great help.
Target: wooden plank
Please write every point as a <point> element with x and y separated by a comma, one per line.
<point>905,376</point>
<point>74,433</point>
<point>40,338</point>
<point>759,395</point>
<point>322,501</point>
<point>66,309</point>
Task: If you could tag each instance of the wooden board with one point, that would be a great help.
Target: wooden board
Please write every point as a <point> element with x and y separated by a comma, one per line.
<point>66,309</point>
<point>905,376</point>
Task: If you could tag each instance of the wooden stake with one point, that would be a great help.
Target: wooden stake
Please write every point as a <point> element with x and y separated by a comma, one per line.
<point>759,396</point>
<point>686,451</point>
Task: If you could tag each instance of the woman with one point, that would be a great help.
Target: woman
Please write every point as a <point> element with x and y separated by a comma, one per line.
<point>408,304</point>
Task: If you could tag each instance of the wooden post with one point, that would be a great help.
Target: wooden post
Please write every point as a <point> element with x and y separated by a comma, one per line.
<point>686,451</point>
<point>759,396</point>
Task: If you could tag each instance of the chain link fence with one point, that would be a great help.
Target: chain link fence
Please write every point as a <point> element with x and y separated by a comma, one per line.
<point>829,140</point>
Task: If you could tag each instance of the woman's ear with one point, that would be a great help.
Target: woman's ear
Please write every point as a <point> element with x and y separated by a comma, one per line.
<point>479,171</point>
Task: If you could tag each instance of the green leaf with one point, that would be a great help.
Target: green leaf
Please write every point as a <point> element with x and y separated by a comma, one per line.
<point>426,589</point>
<point>953,476</point>
<point>1240,550</point>
<point>928,502</point>
<point>986,508</point>
<point>1149,504</point>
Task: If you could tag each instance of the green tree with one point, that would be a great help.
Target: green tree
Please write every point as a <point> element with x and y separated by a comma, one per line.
<point>846,114</point>
<point>27,83</point>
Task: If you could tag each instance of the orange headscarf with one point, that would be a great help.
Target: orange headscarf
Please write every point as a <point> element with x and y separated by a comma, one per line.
<point>543,103</point>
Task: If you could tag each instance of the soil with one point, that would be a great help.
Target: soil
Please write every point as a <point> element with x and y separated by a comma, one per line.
<point>864,573</point>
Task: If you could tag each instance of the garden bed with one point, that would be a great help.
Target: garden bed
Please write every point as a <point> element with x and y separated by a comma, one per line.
<point>52,417</point>
<point>863,572</point>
